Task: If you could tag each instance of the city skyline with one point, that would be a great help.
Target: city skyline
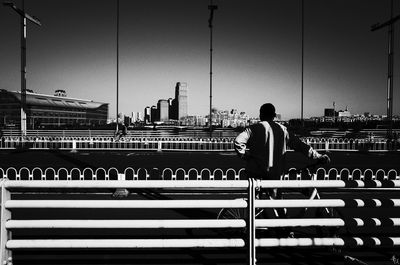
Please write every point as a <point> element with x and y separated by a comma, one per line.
<point>256,59</point>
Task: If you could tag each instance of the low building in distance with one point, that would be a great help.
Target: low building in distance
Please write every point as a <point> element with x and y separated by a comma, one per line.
<point>51,111</point>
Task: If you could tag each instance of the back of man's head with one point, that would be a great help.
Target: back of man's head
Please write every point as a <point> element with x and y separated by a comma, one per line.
<point>267,112</point>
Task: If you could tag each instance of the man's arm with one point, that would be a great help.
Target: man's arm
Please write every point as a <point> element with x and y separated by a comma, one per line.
<point>298,145</point>
<point>240,143</point>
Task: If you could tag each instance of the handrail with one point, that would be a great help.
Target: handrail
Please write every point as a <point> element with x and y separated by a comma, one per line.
<point>139,224</point>
<point>125,204</point>
<point>328,242</point>
<point>246,200</point>
<point>341,179</point>
<point>180,144</point>
<point>327,222</point>
<point>126,243</point>
<point>139,184</point>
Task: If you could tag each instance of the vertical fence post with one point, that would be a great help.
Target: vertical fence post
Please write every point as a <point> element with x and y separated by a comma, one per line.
<point>159,146</point>
<point>5,254</point>
<point>251,230</point>
<point>73,146</point>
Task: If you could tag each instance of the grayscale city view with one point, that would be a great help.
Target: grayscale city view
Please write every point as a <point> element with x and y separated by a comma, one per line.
<point>199,132</point>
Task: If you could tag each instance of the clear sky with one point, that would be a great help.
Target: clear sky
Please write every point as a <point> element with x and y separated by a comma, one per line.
<point>256,59</point>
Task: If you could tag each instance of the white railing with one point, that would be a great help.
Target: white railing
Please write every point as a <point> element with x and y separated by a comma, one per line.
<point>132,144</point>
<point>130,133</point>
<point>179,144</point>
<point>367,176</point>
<point>21,195</point>
<point>222,133</point>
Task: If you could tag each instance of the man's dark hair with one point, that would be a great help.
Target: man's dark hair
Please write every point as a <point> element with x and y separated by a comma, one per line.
<point>267,112</point>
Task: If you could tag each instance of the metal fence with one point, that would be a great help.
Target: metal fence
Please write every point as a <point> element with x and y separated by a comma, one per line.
<point>225,133</point>
<point>192,133</point>
<point>180,144</point>
<point>20,194</point>
<point>107,143</point>
<point>181,174</point>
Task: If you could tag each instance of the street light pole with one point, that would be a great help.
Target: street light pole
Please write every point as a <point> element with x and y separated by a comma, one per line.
<point>211,7</point>
<point>117,66</point>
<point>302,63</point>
<point>390,24</point>
<point>24,17</point>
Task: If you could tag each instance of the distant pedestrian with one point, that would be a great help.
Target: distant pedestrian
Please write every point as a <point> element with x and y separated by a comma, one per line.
<point>122,131</point>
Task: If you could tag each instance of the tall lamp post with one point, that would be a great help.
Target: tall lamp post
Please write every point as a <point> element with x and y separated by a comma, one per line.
<point>211,7</point>
<point>24,17</point>
<point>117,78</point>
<point>302,63</point>
<point>390,24</point>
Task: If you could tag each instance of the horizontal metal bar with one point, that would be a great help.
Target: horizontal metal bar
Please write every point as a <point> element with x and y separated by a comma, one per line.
<point>125,243</point>
<point>308,242</point>
<point>203,184</point>
<point>296,242</point>
<point>136,184</point>
<point>327,184</point>
<point>296,203</point>
<point>305,222</point>
<point>137,204</point>
<point>202,223</point>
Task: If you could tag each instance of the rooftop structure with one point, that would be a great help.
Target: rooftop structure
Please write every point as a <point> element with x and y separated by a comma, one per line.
<point>51,111</point>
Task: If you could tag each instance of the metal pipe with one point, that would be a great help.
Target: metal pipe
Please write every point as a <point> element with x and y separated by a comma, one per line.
<point>193,223</point>
<point>137,184</point>
<point>125,204</point>
<point>308,242</point>
<point>326,184</point>
<point>295,203</point>
<point>251,227</point>
<point>125,243</point>
<point>204,184</point>
<point>306,222</point>
<point>172,204</point>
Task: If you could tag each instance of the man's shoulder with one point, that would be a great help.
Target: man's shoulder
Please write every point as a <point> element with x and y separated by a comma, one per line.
<point>277,125</point>
<point>282,126</point>
<point>257,127</point>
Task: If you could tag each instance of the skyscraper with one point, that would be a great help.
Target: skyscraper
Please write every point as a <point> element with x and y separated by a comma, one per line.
<point>155,115</point>
<point>179,104</point>
<point>147,115</point>
<point>163,108</point>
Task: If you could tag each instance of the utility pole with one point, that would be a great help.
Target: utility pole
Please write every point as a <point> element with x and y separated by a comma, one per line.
<point>302,63</point>
<point>390,24</point>
<point>24,17</point>
<point>211,7</point>
<point>117,116</point>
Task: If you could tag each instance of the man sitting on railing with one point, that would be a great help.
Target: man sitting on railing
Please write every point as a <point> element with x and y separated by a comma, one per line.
<point>263,147</point>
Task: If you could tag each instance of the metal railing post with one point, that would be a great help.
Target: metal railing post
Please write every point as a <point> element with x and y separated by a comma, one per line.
<point>73,150</point>
<point>251,230</point>
<point>5,254</point>
<point>159,146</point>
